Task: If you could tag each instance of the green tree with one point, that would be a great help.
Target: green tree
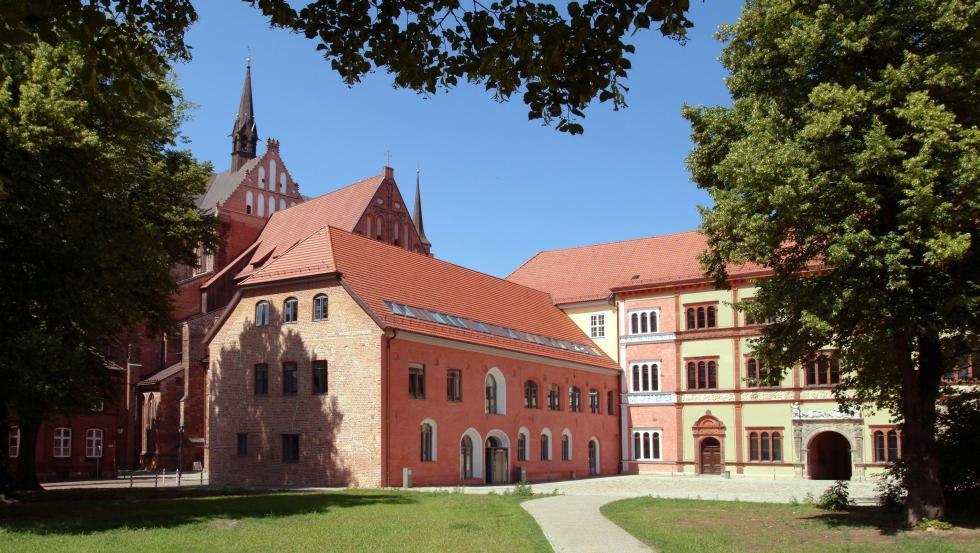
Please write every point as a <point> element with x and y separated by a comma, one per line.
<point>848,163</point>
<point>96,208</point>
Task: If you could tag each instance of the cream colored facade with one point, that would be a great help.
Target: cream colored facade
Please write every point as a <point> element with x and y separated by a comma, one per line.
<point>724,419</point>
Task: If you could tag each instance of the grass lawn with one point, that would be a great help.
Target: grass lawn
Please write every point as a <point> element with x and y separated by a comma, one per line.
<point>213,521</point>
<point>678,525</point>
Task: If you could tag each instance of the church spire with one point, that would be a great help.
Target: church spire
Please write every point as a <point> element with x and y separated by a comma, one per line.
<point>244,134</point>
<point>417,215</point>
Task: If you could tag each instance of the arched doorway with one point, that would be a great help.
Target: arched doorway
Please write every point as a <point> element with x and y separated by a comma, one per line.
<point>593,457</point>
<point>497,461</point>
<point>829,457</point>
<point>710,456</point>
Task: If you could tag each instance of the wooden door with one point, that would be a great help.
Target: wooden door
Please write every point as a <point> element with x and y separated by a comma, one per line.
<point>710,456</point>
<point>500,468</point>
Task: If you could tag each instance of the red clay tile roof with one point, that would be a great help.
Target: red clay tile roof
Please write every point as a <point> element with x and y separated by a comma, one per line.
<point>341,208</point>
<point>378,272</point>
<point>589,273</point>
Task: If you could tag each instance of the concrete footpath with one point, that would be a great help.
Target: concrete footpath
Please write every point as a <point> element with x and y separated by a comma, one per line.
<point>573,524</point>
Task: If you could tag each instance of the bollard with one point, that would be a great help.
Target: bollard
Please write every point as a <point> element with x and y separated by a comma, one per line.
<point>155,478</point>
<point>202,477</point>
<point>178,477</point>
<point>406,477</point>
<point>164,478</point>
<point>130,479</point>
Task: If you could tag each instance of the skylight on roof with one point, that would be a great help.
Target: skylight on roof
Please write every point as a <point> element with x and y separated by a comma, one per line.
<point>485,328</point>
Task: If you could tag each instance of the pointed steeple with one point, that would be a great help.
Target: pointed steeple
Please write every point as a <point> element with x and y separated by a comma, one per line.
<point>244,133</point>
<point>417,214</point>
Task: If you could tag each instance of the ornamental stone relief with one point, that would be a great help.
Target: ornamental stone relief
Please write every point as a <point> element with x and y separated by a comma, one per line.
<point>654,398</point>
<point>783,395</point>
<point>714,398</point>
<point>817,394</point>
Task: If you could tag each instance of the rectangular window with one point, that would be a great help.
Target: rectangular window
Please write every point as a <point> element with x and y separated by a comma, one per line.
<point>645,321</point>
<point>416,382</point>
<point>765,445</point>
<point>13,442</point>
<point>290,382</point>
<point>646,445</point>
<point>597,325</point>
<point>93,443</point>
<point>594,401</point>
<point>242,445</point>
<point>290,448</point>
<point>701,316</point>
<point>454,385</point>
<point>319,377</point>
<point>205,261</point>
<point>822,371</point>
<point>702,374</point>
<point>261,379</point>
<point>611,402</point>
<point>62,443</point>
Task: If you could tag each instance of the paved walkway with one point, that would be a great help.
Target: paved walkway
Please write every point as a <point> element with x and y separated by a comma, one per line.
<point>573,524</point>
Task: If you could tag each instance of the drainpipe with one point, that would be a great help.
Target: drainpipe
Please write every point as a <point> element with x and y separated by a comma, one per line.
<point>389,335</point>
<point>623,404</point>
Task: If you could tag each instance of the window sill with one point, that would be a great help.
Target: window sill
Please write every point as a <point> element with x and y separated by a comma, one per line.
<point>416,397</point>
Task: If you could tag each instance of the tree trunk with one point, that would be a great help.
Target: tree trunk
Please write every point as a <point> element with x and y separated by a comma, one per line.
<point>920,392</point>
<point>26,478</point>
<point>6,478</point>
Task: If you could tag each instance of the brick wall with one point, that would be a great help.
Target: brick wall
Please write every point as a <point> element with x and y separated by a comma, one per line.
<point>340,441</point>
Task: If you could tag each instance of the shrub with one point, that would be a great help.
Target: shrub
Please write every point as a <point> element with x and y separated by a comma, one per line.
<point>836,498</point>
<point>891,494</point>
<point>929,524</point>
<point>523,489</point>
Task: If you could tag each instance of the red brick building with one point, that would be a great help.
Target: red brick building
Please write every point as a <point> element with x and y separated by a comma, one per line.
<point>347,361</point>
<point>158,418</point>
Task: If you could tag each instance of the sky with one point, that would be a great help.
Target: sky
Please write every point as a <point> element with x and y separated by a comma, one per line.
<point>496,187</point>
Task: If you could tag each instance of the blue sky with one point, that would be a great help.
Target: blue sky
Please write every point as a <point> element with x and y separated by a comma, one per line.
<point>496,187</point>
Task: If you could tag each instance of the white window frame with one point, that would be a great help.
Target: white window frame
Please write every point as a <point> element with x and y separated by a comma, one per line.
<point>262,317</point>
<point>13,442</point>
<point>639,456</point>
<point>597,325</point>
<point>629,320</point>
<point>435,441</point>
<point>649,364</point>
<point>94,440</point>
<point>62,443</point>
<point>566,433</point>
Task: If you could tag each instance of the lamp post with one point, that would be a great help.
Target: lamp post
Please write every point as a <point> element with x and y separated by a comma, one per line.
<point>180,445</point>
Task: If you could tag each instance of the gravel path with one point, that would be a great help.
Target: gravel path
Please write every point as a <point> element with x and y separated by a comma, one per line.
<point>573,524</point>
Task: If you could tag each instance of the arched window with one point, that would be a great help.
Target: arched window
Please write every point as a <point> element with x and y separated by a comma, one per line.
<point>320,307</point>
<point>262,313</point>
<point>892,445</point>
<point>637,386</point>
<point>546,445</point>
<point>261,177</point>
<point>282,186</point>
<point>712,374</point>
<point>367,223</point>
<point>690,318</point>
<point>575,399</point>
<point>752,373</point>
<point>635,323</point>
<point>554,397</point>
<point>491,394</point>
<point>765,446</point>
<point>700,317</point>
<point>566,446</point>
<point>692,377</point>
<point>62,443</point>
<point>428,441</point>
<point>777,446</point>
<point>822,371</point>
<point>531,394</point>
<point>643,321</point>
<point>272,205</point>
<point>380,231</point>
<point>248,202</point>
<point>702,374</point>
<point>711,317</point>
<point>646,377</point>
<point>261,206</point>
<point>522,453</point>
<point>93,443</point>
<point>753,446</point>
<point>466,457</point>
<point>646,445</point>
<point>644,328</point>
<point>290,310</point>
<point>272,174</point>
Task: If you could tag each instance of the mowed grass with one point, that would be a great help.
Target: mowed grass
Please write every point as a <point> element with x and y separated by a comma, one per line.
<point>677,525</point>
<point>214,521</point>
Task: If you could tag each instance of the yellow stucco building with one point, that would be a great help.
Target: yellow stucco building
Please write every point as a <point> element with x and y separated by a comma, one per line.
<point>689,401</point>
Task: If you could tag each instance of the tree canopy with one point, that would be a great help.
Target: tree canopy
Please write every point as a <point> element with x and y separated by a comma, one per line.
<point>96,208</point>
<point>848,163</point>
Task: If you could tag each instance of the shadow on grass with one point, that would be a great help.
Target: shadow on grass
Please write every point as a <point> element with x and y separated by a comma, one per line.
<point>886,522</point>
<point>85,511</point>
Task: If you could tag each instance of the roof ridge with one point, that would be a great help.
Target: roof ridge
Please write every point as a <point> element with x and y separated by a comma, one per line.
<point>611,242</point>
<point>444,262</point>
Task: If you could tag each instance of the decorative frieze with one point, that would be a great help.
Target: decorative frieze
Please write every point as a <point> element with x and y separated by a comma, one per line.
<point>819,393</point>
<point>708,398</point>
<point>651,338</point>
<point>768,395</point>
<point>651,398</point>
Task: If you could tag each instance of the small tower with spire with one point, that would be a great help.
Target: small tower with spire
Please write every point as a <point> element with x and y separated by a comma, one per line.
<point>244,134</point>
<point>417,215</point>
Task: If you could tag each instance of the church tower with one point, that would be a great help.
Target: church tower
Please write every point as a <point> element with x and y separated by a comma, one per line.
<point>244,134</point>
<point>425,245</point>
